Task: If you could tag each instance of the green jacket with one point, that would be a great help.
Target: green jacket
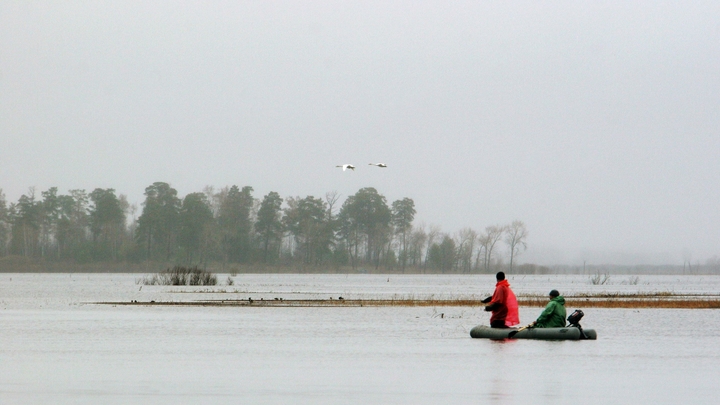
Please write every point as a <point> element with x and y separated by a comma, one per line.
<point>554,314</point>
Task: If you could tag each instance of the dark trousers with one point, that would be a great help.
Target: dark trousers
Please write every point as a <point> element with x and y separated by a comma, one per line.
<point>498,324</point>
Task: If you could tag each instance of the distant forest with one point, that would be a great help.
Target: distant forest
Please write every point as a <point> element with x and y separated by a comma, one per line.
<point>232,228</point>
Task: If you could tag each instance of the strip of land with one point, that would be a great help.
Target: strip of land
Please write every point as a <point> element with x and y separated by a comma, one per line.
<point>663,300</point>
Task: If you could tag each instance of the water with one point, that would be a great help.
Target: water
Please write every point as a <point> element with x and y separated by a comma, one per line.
<point>57,348</point>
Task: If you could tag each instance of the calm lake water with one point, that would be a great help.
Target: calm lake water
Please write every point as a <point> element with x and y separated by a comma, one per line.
<point>57,347</point>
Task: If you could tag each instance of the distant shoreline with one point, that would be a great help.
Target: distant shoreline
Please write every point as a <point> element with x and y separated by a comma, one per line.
<point>13,265</point>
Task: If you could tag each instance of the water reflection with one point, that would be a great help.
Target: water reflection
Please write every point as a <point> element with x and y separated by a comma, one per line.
<point>501,387</point>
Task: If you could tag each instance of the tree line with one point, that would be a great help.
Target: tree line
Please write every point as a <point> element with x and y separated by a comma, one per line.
<point>231,226</point>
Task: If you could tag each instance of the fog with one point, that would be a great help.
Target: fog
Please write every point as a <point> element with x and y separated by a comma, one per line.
<point>595,124</point>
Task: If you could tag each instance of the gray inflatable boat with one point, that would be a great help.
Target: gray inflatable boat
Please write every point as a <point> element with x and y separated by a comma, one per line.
<point>568,333</point>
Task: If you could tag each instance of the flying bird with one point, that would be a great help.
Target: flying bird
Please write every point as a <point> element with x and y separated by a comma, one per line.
<point>378,164</point>
<point>345,167</point>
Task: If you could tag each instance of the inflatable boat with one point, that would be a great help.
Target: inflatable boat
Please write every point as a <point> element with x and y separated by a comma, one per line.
<point>568,333</point>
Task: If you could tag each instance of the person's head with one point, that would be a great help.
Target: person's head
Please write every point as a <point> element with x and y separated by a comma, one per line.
<point>554,293</point>
<point>500,276</point>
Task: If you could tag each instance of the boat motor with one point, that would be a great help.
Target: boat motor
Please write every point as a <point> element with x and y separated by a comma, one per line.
<point>574,320</point>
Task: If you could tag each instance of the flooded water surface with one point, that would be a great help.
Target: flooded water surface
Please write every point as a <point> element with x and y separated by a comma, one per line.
<point>57,346</point>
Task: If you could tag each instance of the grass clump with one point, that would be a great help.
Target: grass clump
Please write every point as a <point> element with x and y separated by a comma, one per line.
<point>182,276</point>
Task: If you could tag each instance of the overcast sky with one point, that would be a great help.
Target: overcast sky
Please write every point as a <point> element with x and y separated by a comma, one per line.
<point>595,123</point>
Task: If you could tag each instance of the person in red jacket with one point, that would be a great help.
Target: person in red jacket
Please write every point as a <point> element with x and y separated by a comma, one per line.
<point>502,304</point>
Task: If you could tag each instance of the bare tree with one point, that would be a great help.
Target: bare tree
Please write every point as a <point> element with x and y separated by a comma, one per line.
<point>480,252</point>
<point>465,240</point>
<point>515,238</point>
<point>488,241</point>
<point>331,198</point>
<point>687,257</point>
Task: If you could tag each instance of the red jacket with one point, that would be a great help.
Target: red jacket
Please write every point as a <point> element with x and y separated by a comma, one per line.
<point>504,303</point>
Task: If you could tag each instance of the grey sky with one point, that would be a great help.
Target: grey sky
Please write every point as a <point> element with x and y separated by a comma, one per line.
<point>595,123</point>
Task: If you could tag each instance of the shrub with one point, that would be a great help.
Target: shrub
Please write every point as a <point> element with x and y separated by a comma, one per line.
<point>634,280</point>
<point>182,276</point>
<point>599,279</point>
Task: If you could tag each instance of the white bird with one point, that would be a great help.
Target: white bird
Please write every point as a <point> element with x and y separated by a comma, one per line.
<point>378,164</point>
<point>345,167</point>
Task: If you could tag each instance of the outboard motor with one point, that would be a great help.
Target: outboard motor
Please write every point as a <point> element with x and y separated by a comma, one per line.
<point>574,320</point>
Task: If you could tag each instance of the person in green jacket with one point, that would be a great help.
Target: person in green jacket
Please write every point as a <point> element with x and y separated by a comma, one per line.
<point>553,316</point>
